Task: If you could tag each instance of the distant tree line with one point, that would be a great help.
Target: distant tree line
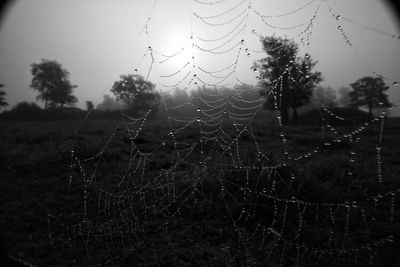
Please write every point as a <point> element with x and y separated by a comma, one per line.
<point>288,82</point>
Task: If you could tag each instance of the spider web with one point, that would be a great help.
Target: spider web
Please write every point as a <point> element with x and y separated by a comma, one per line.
<point>225,173</point>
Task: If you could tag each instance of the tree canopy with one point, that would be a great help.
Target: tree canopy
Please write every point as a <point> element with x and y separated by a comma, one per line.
<point>135,92</point>
<point>285,76</point>
<point>52,83</point>
<point>3,102</point>
<point>369,92</point>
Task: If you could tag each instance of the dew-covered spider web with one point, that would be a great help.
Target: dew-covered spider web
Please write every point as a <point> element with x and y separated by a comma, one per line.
<point>217,179</point>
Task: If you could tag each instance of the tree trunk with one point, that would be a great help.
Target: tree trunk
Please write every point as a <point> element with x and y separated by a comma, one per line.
<point>284,105</point>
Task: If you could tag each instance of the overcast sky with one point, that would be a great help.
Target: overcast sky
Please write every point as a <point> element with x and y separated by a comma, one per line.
<point>98,40</point>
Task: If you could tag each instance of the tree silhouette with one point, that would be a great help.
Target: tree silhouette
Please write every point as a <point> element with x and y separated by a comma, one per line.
<point>135,92</point>
<point>89,105</point>
<point>3,102</point>
<point>52,83</point>
<point>369,92</point>
<point>288,76</point>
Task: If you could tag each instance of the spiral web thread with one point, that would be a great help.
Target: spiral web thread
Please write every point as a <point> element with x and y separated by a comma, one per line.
<point>215,163</point>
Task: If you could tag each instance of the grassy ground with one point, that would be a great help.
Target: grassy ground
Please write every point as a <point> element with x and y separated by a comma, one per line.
<point>209,213</point>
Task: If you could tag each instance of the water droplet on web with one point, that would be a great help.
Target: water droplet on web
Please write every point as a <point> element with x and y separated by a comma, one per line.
<point>246,50</point>
<point>242,42</point>
<point>255,70</point>
<point>248,54</point>
<point>339,27</point>
<point>253,31</point>
<point>198,119</point>
<point>395,83</point>
<point>163,143</point>
<point>264,190</point>
<point>149,48</point>
<point>198,109</point>
<point>338,17</point>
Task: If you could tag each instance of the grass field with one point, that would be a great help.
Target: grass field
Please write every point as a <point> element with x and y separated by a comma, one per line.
<point>136,203</point>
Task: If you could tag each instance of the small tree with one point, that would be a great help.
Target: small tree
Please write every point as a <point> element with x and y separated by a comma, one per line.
<point>369,92</point>
<point>135,92</point>
<point>89,105</point>
<point>290,76</point>
<point>3,102</point>
<point>52,83</point>
<point>325,95</point>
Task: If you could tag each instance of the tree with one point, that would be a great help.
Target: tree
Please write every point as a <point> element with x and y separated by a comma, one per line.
<point>325,95</point>
<point>286,76</point>
<point>135,92</point>
<point>3,102</point>
<point>52,83</point>
<point>344,98</point>
<point>369,92</point>
<point>89,105</point>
